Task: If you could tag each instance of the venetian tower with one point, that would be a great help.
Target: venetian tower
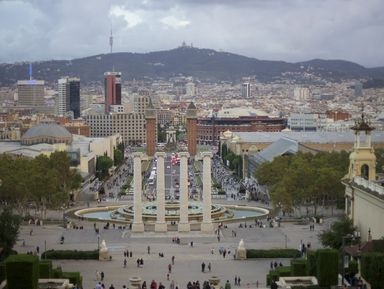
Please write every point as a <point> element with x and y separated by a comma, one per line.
<point>150,119</point>
<point>362,160</point>
<point>192,129</point>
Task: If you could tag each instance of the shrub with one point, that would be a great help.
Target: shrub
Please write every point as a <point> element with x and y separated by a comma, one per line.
<point>71,254</point>
<point>327,264</point>
<point>74,278</point>
<point>2,272</point>
<point>283,271</point>
<point>272,276</point>
<point>311,263</point>
<point>45,269</point>
<point>353,268</point>
<point>22,271</point>
<point>299,267</point>
<point>57,273</point>
<point>372,269</point>
<point>273,253</point>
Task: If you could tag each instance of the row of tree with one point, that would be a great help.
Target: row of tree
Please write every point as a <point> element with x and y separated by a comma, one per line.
<point>305,179</point>
<point>40,183</point>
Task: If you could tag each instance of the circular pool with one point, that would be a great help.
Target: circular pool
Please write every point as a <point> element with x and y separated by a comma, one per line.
<point>125,213</point>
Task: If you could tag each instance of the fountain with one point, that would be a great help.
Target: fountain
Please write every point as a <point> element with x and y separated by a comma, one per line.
<point>124,213</point>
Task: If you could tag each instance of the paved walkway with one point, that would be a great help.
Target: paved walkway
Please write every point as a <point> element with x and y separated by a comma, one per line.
<point>188,259</point>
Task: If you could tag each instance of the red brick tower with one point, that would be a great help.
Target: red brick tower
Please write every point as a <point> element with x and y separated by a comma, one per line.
<point>192,129</point>
<point>150,118</point>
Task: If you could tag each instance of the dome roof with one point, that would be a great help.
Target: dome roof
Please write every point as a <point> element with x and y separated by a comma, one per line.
<point>47,132</point>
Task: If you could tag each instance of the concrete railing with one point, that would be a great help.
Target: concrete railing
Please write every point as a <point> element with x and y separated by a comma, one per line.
<point>369,185</point>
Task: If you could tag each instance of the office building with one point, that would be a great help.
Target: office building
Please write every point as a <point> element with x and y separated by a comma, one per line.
<point>141,101</point>
<point>31,95</point>
<point>69,96</point>
<point>130,126</point>
<point>112,89</point>
<point>246,90</point>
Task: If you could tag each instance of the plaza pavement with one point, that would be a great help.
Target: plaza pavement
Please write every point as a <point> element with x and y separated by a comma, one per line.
<point>188,259</point>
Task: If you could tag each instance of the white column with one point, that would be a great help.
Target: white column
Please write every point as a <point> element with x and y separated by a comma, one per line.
<point>206,225</point>
<point>160,225</point>
<point>184,225</point>
<point>138,225</point>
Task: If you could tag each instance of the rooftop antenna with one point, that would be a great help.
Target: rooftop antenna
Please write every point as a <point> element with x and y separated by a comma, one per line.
<point>111,40</point>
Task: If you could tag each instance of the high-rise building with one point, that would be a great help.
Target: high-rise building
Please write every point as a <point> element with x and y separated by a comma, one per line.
<point>246,90</point>
<point>31,94</point>
<point>69,96</point>
<point>112,89</point>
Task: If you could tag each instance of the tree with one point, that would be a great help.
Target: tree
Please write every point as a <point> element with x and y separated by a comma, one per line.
<point>118,157</point>
<point>334,236</point>
<point>103,164</point>
<point>9,229</point>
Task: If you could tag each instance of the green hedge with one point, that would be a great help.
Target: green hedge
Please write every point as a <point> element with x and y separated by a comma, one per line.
<point>71,254</point>
<point>45,269</point>
<point>372,269</point>
<point>327,267</point>
<point>353,268</point>
<point>74,278</point>
<point>2,272</point>
<point>57,272</point>
<point>273,253</point>
<point>299,267</point>
<point>311,263</point>
<point>283,271</point>
<point>22,271</point>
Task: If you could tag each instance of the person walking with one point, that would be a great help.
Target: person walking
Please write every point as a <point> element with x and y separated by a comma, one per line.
<point>203,267</point>
<point>125,263</point>
<point>227,285</point>
<point>209,266</point>
<point>173,260</point>
<point>169,268</point>
<point>149,250</point>
<point>102,276</point>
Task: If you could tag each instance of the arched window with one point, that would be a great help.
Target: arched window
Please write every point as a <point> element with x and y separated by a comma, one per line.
<point>365,172</point>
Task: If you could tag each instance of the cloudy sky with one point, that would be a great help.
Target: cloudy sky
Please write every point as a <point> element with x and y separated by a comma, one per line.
<point>289,30</point>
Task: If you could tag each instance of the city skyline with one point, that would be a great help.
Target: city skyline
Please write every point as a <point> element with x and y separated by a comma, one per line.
<point>291,31</point>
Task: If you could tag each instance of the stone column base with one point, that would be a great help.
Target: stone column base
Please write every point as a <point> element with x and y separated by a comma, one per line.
<point>206,227</point>
<point>161,227</point>
<point>184,227</point>
<point>137,228</point>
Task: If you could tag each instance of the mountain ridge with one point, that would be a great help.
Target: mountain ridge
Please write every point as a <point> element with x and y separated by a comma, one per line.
<point>201,63</point>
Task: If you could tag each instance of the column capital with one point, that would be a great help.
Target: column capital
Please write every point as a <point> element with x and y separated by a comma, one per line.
<point>160,154</point>
<point>184,155</point>
<point>137,155</point>
<point>206,154</point>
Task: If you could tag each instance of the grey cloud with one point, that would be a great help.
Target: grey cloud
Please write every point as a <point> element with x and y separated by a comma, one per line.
<point>290,30</point>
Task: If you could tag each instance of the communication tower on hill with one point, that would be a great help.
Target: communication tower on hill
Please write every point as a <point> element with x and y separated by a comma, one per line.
<point>111,41</point>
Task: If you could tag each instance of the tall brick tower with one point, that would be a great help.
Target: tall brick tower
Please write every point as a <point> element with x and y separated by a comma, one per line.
<point>192,128</point>
<point>150,119</point>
